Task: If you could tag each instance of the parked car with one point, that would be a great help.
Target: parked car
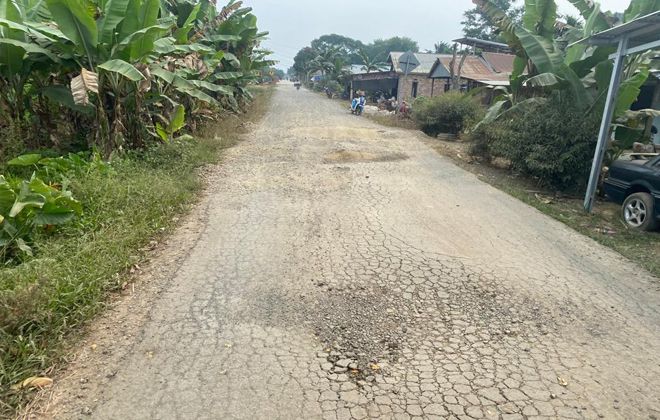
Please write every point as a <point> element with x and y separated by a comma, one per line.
<point>636,184</point>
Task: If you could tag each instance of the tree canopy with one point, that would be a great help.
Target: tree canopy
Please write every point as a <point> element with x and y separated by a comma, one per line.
<point>478,24</point>
<point>330,53</point>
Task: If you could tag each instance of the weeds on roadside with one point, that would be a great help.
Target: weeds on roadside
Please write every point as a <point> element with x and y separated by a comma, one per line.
<point>46,299</point>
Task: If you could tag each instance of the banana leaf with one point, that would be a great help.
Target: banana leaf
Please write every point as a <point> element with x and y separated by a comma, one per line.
<point>123,68</point>
<point>181,85</point>
<point>113,14</point>
<point>28,48</point>
<point>140,43</point>
<point>224,90</point>
<point>540,17</point>
<point>77,23</point>
<point>140,14</point>
<point>543,80</point>
<point>11,56</point>
<point>638,8</point>
<point>541,51</point>
<point>629,91</point>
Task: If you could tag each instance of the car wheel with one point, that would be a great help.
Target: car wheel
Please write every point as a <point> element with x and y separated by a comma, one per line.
<point>638,211</point>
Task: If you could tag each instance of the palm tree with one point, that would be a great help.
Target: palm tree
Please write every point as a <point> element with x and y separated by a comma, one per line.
<point>369,64</point>
<point>442,47</point>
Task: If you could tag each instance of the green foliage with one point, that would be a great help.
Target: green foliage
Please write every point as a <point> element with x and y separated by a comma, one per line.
<point>381,48</point>
<point>481,25</point>
<point>47,297</point>
<point>580,73</point>
<point>28,205</point>
<point>443,47</point>
<point>334,86</point>
<point>451,112</point>
<point>551,141</point>
<point>112,56</point>
<point>330,54</point>
<point>59,169</point>
<point>175,124</point>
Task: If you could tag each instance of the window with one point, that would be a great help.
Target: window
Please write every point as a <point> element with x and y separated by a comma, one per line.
<point>447,86</point>
<point>414,88</point>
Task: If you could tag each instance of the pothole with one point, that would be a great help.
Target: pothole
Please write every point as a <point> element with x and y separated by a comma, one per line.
<point>357,156</point>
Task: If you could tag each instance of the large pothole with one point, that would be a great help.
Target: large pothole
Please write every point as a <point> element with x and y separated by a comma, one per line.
<point>357,156</point>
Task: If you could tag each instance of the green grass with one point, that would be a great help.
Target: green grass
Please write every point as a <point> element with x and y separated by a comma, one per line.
<point>44,301</point>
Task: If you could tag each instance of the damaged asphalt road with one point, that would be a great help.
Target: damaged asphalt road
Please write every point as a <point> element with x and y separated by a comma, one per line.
<point>338,269</point>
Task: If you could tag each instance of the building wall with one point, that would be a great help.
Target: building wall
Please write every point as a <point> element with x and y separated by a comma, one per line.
<point>425,86</point>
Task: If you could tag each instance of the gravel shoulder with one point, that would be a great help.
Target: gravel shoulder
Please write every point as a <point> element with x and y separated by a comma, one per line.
<point>340,269</point>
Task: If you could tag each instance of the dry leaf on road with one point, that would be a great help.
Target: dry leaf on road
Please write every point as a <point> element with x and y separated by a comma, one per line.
<point>33,382</point>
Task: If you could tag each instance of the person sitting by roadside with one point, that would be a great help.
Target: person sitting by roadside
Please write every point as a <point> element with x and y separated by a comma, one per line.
<point>404,109</point>
<point>354,104</point>
<point>363,100</point>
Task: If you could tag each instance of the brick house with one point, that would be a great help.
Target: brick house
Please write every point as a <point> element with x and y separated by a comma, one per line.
<point>432,76</point>
<point>417,82</point>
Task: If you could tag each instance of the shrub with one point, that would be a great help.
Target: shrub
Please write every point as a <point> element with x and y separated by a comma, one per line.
<point>551,141</point>
<point>333,85</point>
<point>451,112</point>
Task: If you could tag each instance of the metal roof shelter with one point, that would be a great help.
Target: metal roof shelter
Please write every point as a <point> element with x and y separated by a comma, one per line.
<point>482,44</point>
<point>638,35</point>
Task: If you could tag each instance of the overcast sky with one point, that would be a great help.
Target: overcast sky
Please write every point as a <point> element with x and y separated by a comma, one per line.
<point>293,24</point>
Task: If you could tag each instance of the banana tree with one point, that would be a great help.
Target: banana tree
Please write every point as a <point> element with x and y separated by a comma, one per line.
<point>21,54</point>
<point>541,64</point>
<point>128,62</point>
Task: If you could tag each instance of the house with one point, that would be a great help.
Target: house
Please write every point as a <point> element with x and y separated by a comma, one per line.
<point>432,76</point>
<point>417,82</point>
<point>485,69</point>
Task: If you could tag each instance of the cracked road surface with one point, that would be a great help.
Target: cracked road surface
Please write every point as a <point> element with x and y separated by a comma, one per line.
<point>344,270</point>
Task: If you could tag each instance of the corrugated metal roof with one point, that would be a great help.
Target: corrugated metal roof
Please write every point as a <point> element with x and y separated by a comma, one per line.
<point>360,69</point>
<point>640,30</point>
<point>475,68</point>
<point>483,44</point>
<point>501,63</point>
<point>426,61</point>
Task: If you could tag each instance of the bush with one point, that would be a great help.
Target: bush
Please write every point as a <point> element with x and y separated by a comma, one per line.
<point>451,112</point>
<point>552,141</point>
<point>333,85</point>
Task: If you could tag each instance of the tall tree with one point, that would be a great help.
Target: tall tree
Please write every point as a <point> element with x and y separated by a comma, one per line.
<point>383,47</point>
<point>302,59</point>
<point>348,47</point>
<point>477,24</point>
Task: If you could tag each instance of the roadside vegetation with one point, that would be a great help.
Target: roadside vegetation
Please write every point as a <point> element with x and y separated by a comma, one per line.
<point>141,196</point>
<point>107,108</point>
<point>536,139</point>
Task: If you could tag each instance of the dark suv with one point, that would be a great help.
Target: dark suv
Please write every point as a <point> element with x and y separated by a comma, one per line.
<point>636,184</point>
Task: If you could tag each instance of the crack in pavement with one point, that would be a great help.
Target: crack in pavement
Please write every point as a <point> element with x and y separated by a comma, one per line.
<point>333,278</point>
